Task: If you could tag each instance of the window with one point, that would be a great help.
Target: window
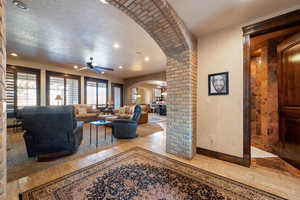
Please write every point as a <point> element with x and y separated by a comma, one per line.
<point>134,94</point>
<point>22,88</point>
<point>96,92</point>
<point>117,95</point>
<point>91,93</point>
<point>62,89</point>
<point>57,87</point>
<point>157,92</point>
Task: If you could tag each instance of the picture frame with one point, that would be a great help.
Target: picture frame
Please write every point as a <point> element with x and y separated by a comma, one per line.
<point>218,84</point>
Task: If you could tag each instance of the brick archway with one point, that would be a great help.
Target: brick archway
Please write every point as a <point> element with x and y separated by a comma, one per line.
<point>162,23</point>
<point>167,29</point>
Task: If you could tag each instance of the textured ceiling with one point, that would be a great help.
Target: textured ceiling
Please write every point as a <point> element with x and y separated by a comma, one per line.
<point>204,16</point>
<point>68,32</point>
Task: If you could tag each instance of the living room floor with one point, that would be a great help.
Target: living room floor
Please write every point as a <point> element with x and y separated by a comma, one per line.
<point>19,165</point>
<point>263,178</point>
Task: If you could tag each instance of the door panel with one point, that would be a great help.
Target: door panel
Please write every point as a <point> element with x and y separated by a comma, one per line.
<point>289,100</point>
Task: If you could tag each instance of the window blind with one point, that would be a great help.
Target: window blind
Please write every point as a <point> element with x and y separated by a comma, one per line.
<point>22,88</point>
<point>10,91</point>
<point>91,93</point>
<point>102,92</point>
<point>72,91</point>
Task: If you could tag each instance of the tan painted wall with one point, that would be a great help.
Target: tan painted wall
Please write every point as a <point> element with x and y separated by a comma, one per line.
<point>132,82</point>
<point>220,118</point>
<point>145,90</point>
<point>44,67</point>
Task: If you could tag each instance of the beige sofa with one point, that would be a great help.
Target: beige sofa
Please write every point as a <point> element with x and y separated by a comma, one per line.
<point>86,113</point>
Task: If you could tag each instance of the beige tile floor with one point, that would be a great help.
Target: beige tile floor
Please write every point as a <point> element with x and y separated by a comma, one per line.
<point>262,178</point>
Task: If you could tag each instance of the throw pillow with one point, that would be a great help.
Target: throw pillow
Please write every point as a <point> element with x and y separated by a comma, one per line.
<point>131,110</point>
<point>81,111</point>
<point>122,110</point>
<point>126,109</point>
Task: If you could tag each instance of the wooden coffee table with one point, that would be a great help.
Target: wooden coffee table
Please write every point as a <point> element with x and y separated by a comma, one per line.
<point>97,124</point>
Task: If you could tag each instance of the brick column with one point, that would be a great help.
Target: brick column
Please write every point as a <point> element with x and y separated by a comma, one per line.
<point>2,102</point>
<point>181,104</point>
<point>162,23</point>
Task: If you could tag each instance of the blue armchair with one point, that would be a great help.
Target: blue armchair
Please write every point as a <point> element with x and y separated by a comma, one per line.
<point>126,128</point>
<point>51,129</point>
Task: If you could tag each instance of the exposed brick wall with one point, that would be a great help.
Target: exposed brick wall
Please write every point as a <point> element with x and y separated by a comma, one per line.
<point>161,22</point>
<point>2,102</point>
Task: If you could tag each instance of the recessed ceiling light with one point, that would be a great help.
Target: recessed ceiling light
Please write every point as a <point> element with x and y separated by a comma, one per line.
<point>147,59</point>
<point>14,54</point>
<point>102,72</point>
<point>120,67</point>
<point>116,45</point>
<point>103,1</point>
<point>75,67</point>
<point>20,4</point>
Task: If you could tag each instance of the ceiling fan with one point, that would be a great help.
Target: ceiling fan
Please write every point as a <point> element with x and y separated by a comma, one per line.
<point>97,69</point>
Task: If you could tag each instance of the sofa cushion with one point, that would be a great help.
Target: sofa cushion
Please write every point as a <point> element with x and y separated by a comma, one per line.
<point>124,116</point>
<point>87,115</point>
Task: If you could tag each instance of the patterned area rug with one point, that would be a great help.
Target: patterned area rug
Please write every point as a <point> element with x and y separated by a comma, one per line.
<point>141,174</point>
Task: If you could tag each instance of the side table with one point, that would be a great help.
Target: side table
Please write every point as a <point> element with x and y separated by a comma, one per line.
<point>97,124</point>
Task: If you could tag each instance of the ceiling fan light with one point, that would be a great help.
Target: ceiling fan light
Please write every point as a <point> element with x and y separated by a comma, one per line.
<point>14,54</point>
<point>116,46</point>
<point>103,1</point>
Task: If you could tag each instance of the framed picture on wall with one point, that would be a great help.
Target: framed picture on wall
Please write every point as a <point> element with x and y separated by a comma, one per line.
<point>218,84</point>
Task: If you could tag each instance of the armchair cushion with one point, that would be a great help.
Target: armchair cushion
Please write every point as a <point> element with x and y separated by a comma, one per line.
<point>124,121</point>
<point>51,129</point>
<point>126,128</point>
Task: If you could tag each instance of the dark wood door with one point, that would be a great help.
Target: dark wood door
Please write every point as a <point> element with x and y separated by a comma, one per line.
<point>289,100</point>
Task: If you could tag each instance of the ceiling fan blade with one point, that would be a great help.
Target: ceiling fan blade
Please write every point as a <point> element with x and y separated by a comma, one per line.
<point>83,68</point>
<point>98,71</point>
<point>103,68</point>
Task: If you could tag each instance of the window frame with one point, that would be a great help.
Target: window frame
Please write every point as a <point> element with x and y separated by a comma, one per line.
<point>65,77</point>
<point>19,69</point>
<point>96,80</point>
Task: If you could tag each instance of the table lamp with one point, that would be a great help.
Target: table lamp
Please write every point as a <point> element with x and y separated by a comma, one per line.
<point>58,98</point>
